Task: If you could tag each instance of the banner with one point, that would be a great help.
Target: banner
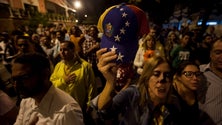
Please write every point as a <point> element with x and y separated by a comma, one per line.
<point>42,8</point>
<point>16,4</point>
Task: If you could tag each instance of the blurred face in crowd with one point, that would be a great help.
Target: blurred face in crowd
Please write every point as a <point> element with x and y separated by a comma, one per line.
<point>190,77</point>
<point>22,45</point>
<point>66,53</point>
<point>208,40</point>
<point>45,42</point>
<point>150,42</point>
<point>153,32</point>
<point>185,40</point>
<point>27,83</point>
<point>216,55</point>
<point>58,35</point>
<point>159,82</point>
<point>173,36</point>
<point>92,32</point>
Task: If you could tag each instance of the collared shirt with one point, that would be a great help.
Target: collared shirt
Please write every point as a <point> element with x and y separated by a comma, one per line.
<point>55,108</point>
<point>84,86</point>
<point>213,98</point>
<point>90,57</point>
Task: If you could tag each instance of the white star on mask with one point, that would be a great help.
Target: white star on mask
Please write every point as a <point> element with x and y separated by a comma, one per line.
<point>113,49</point>
<point>117,38</point>
<point>120,57</point>
<point>124,14</point>
<point>122,31</point>
<point>127,23</point>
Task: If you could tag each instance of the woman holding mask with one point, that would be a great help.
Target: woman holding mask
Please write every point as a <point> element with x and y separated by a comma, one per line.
<point>148,102</point>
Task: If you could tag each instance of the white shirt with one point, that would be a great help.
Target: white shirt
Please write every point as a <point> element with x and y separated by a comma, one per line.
<point>56,108</point>
<point>139,60</point>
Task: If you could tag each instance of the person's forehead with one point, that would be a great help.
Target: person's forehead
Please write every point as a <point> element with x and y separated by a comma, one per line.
<point>217,45</point>
<point>163,66</point>
<point>191,67</point>
<point>186,37</point>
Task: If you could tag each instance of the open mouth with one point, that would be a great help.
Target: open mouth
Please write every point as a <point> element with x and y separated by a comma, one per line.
<point>161,90</point>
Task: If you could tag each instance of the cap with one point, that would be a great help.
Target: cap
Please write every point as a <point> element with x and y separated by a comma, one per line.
<point>122,25</point>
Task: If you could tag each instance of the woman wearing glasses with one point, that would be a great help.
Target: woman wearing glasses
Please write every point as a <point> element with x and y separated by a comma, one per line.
<point>185,86</point>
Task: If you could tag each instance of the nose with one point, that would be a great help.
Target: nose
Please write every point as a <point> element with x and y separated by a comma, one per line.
<point>195,77</point>
<point>161,78</point>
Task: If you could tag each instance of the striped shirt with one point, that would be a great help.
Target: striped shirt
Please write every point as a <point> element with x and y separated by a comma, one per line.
<point>213,100</point>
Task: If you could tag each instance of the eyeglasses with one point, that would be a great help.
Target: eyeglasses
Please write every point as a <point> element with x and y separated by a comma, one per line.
<point>190,74</point>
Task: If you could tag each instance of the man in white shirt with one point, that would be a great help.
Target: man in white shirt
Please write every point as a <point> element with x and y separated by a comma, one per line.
<point>212,104</point>
<point>42,103</point>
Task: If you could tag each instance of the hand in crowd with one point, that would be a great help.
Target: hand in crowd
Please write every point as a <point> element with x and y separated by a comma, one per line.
<point>70,78</point>
<point>105,64</point>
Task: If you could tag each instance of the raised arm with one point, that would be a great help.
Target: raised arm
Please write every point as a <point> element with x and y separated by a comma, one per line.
<point>108,69</point>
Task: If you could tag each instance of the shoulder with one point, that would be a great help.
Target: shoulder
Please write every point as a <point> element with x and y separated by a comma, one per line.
<point>204,67</point>
<point>69,114</point>
<point>130,93</point>
<point>62,96</point>
<point>59,64</point>
<point>85,63</point>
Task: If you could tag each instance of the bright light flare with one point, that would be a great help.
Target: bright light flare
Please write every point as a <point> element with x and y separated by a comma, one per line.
<point>77,4</point>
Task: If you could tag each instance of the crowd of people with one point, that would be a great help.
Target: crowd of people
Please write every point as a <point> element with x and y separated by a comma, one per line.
<point>122,71</point>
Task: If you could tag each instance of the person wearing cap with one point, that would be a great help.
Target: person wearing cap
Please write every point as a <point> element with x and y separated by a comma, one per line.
<point>146,101</point>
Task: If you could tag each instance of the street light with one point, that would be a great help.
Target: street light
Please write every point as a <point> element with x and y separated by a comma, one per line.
<point>77,4</point>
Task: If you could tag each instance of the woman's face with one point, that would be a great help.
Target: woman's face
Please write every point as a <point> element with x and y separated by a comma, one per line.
<point>172,36</point>
<point>150,43</point>
<point>190,77</point>
<point>160,82</point>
